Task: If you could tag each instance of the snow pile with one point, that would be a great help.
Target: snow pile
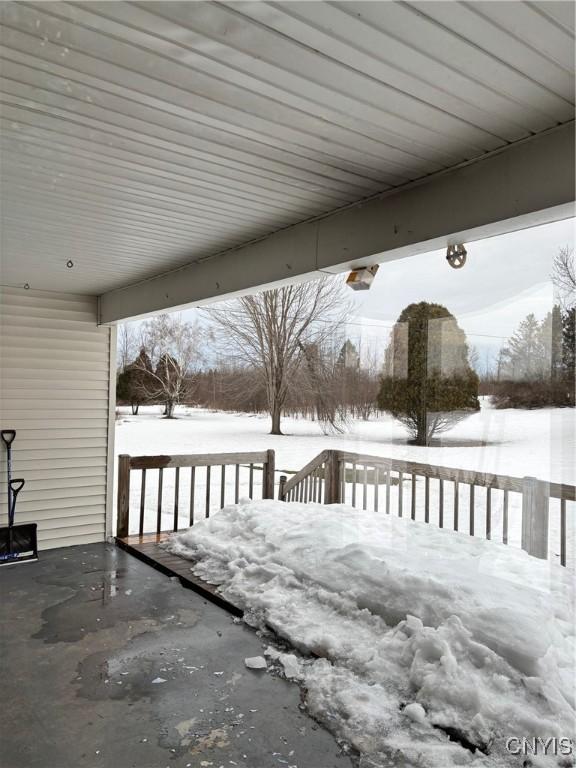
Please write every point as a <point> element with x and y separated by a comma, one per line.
<point>419,634</point>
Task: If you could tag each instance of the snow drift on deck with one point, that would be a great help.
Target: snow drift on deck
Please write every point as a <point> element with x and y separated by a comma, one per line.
<point>420,632</point>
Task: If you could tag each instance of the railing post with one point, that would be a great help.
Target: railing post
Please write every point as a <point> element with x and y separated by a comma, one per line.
<point>123,507</point>
<point>332,479</point>
<point>535,517</point>
<point>269,472</point>
<point>282,483</point>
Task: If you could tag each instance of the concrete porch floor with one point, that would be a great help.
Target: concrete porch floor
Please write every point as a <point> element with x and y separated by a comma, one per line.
<point>85,632</point>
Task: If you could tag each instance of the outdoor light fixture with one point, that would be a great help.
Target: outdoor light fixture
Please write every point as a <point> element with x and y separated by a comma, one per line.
<point>456,256</point>
<point>361,279</point>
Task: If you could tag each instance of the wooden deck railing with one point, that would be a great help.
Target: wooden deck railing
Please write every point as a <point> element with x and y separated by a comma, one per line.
<point>525,512</point>
<point>250,473</point>
<point>462,499</point>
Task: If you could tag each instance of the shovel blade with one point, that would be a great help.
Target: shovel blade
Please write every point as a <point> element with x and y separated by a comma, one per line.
<point>18,544</point>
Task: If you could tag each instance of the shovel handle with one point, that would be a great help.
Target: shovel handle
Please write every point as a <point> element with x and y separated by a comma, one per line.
<point>8,436</point>
<point>16,486</point>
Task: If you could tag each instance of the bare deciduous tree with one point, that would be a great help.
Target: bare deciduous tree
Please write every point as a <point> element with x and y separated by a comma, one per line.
<point>127,347</point>
<point>564,276</point>
<point>173,352</point>
<point>267,332</point>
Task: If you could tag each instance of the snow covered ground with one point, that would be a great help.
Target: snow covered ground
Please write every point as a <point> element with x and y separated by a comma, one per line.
<point>540,443</point>
<point>401,633</point>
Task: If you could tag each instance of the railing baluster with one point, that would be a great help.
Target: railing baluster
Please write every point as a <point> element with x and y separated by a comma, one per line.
<point>192,493</point>
<point>489,513</point>
<point>400,492</point>
<point>223,487</point>
<point>387,491</point>
<point>456,503</point>
<point>505,519</point>
<point>354,485</point>
<point>471,524</point>
<point>365,487</point>
<point>207,512</point>
<point>159,509</point>
<point>251,481</point>
<point>237,485</point>
<point>426,499</point>
<point>441,505</point>
<point>376,477</point>
<point>413,499</point>
<point>176,492</point>
<point>142,501</point>
<point>562,531</point>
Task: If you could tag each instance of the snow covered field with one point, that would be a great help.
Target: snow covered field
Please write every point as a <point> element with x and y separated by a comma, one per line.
<point>403,633</point>
<point>540,443</point>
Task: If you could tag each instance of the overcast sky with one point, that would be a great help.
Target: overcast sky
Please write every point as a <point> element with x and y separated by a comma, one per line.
<point>504,279</point>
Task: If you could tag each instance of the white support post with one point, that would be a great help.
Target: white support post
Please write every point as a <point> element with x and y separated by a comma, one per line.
<point>111,429</point>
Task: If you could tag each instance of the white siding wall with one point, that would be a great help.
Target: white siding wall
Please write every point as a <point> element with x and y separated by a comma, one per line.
<point>55,391</point>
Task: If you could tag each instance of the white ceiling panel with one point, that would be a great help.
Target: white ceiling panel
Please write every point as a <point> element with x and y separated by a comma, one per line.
<point>139,137</point>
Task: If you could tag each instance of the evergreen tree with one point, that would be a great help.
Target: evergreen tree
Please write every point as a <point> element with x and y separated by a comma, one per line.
<point>524,357</point>
<point>428,383</point>
<point>554,326</point>
<point>569,354</point>
<point>131,382</point>
<point>348,357</point>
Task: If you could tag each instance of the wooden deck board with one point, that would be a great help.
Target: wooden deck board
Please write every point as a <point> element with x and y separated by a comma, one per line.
<point>147,548</point>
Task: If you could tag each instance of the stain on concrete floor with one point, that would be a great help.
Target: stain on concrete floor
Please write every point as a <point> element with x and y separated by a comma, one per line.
<point>106,663</point>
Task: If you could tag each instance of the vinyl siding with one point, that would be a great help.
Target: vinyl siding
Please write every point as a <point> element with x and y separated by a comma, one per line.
<point>55,392</point>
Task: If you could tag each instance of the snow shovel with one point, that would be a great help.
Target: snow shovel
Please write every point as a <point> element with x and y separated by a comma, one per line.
<point>18,543</point>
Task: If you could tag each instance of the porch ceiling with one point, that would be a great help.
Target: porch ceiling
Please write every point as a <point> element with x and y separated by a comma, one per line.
<point>139,137</point>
